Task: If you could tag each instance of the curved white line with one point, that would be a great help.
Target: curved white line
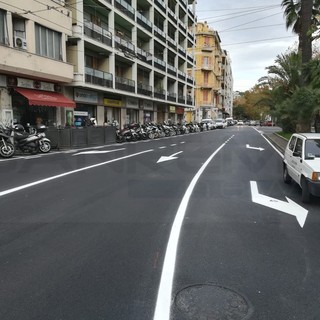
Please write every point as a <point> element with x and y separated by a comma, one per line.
<point>163,305</point>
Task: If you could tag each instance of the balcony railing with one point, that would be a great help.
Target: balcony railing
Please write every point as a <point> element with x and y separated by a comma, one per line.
<point>160,64</point>
<point>161,5</point>
<point>182,50</point>
<point>145,89</point>
<point>160,93</point>
<point>172,70</point>
<point>181,75</point>
<point>158,32</point>
<point>124,45</point>
<point>124,84</point>
<point>143,21</point>
<point>172,96</point>
<point>95,32</point>
<point>181,98</point>
<point>98,77</point>
<point>172,43</point>
<point>144,55</point>
<point>125,8</point>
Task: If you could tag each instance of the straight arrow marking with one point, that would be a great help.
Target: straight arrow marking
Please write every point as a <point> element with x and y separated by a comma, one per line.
<point>255,148</point>
<point>289,206</point>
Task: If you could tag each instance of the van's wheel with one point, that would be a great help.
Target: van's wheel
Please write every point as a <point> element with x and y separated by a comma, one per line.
<point>305,191</point>
<point>286,177</point>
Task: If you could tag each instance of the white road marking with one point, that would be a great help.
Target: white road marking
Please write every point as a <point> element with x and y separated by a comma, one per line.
<point>28,185</point>
<point>163,305</point>
<point>98,151</point>
<point>289,206</point>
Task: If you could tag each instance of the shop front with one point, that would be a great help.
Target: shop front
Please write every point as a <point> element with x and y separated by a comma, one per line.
<point>172,114</point>
<point>38,106</point>
<point>148,113</point>
<point>112,110</point>
<point>86,108</point>
<point>180,114</point>
<point>132,110</point>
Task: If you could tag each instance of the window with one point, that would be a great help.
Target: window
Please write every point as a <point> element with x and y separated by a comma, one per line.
<point>48,43</point>
<point>3,28</point>
<point>292,143</point>
<point>298,148</point>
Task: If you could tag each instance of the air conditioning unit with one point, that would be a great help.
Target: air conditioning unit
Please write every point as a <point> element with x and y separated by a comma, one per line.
<point>20,43</point>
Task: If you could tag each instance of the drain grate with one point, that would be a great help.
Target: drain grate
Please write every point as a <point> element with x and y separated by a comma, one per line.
<point>212,302</point>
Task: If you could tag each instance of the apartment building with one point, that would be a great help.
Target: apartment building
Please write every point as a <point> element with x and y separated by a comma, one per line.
<point>212,74</point>
<point>226,85</point>
<point>33,61</point>
<point>113,60</point>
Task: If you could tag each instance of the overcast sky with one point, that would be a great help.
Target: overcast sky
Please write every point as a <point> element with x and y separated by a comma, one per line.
<point>252,31</point>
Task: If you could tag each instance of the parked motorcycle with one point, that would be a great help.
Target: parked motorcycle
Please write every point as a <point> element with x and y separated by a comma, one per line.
<point>25,142</point>
<point>7,148</point>
<point>44,143</point>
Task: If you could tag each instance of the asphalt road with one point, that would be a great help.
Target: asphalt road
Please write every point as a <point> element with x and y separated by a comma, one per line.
<point>111,233</point>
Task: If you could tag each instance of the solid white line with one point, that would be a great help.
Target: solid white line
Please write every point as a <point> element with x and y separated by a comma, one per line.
<point>163,304</point>
<point>5,192</point>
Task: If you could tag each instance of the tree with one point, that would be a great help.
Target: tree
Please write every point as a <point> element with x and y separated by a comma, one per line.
<point>302,17</point>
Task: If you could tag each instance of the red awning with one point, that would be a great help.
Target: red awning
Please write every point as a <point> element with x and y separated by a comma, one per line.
<point>46,98</point>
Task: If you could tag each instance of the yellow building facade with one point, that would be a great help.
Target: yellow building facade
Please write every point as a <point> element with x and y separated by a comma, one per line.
<point>207,73</point>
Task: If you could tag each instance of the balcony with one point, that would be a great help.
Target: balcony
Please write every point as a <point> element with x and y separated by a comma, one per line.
<point>143,21</point>
<point>171,70</point>
<point>145,89</point>
<point>125,84</point>
<point>190,79</point>
<point>206,66</point>
<point>97,77</point>
<point>172,15</point>
<point>159,33</point>
<point>125,8</point>
<point>172,96</point>
<point>181,99</point>
<point>161,5</point>
<point>182,50</point>
<point>181,75</point>
<point>172,43</point>
<point>144,56</point>
<point>182,26</point>
<point>160,64</point>
<point>160,94</point>
<point>95,32</point>
<point>124,45</point>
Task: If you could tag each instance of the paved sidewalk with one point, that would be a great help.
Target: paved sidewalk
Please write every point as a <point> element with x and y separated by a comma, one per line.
<point>277,141</point>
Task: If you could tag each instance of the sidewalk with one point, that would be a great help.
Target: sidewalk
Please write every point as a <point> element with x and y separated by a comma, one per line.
<point>279,142</point>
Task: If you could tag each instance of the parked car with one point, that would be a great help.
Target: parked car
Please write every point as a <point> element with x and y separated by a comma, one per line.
<point>240,123</point>
<point>301,163</point>
<point>209,123</point>
<point>220,123</point>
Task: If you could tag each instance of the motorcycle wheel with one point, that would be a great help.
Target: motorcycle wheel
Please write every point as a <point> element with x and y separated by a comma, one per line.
<point>6,150</point>
<point>45,146</point>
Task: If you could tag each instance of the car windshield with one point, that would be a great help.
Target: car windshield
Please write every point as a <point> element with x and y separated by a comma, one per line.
<point>312,148</point>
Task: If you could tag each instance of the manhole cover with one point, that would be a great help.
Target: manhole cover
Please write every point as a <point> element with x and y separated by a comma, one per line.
<point>206,301</point>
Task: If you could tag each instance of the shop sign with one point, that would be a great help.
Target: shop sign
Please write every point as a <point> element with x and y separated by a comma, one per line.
<point>112,102</point>
<point>180,110</point>
<point>172,109</point>
<point>80,113</point>
<point>32,84</point>
<point>147,105</point>
<point>85,96</point>
<point>132,103</point>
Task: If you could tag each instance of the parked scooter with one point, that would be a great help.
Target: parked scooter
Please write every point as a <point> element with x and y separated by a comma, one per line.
<point>44,143</point>
<point>6,146</point>
<point>25,142</point>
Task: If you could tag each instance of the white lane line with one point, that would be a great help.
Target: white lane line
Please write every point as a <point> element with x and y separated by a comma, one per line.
<point>163,304</point>
<point>28,185</point>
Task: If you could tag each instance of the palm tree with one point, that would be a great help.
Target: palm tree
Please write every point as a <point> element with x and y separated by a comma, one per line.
<point>302,17</point>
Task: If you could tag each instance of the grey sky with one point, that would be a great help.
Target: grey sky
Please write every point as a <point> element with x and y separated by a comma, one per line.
<point>253,32</point>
